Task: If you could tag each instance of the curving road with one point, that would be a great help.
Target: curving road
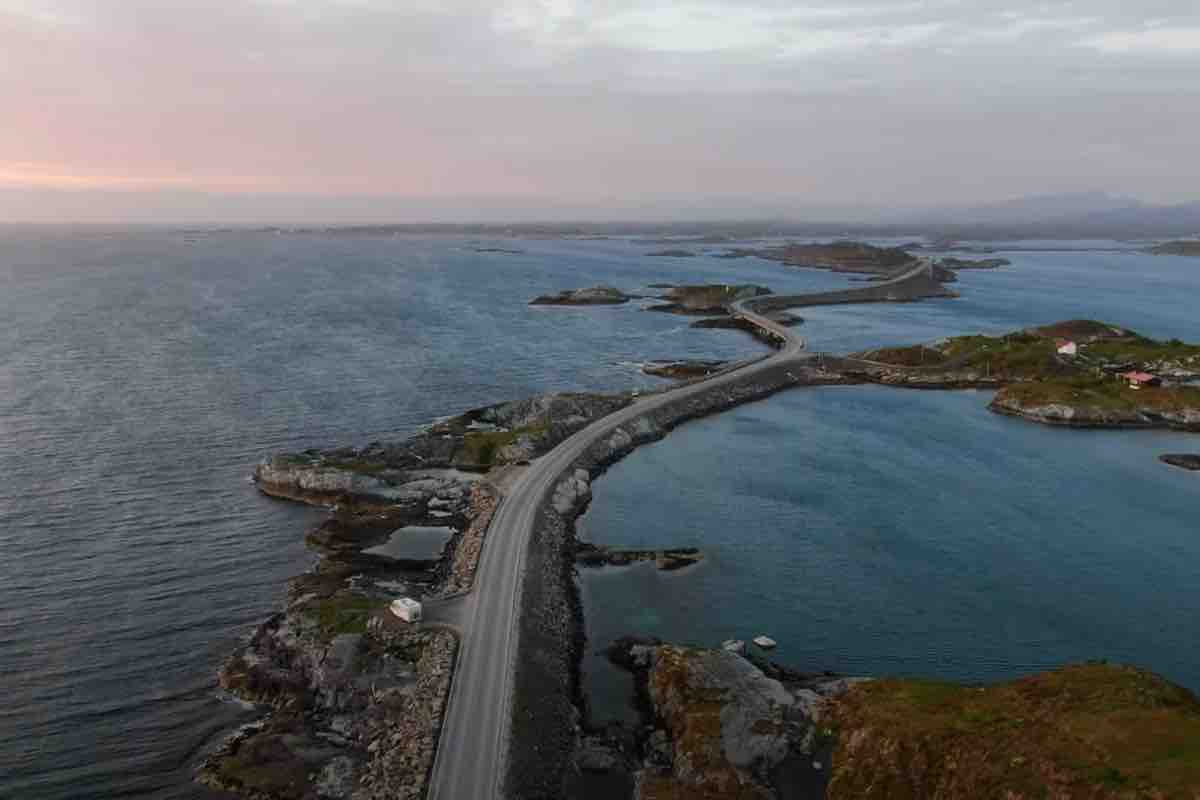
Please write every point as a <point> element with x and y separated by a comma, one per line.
<point>472,749</point>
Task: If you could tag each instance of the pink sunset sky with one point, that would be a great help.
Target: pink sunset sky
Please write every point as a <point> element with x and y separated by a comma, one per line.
<point>245,110</point>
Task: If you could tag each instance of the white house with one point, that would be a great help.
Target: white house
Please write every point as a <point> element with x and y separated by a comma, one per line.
<point>407,609</point>
<point>1066,347</point>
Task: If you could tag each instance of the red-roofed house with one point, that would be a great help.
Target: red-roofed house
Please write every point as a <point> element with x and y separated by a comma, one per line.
<point>1139,379</point>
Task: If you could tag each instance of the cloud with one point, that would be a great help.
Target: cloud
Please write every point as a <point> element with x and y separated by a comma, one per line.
<point>840,101</point>
<point>1152,41</point>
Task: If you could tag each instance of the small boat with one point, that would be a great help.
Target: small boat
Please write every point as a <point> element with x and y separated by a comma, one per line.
<point>765,642</point>
<point>733,646</point>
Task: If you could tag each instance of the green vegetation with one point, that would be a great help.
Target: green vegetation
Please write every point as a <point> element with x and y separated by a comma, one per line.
<point>480,448</point>
<point>362,466</point>
<point>1093,730</point>
<point>1140,350</point>
<point>342,613</point>
<point>1032,354</point>
<point>1017,356</point>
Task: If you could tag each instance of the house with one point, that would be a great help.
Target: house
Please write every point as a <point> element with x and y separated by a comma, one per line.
<point>407,609</point>
<point>1139,379</point>
<point>1066,347</point>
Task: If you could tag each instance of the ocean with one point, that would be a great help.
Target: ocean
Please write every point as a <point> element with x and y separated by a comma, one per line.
<point>143,372</point>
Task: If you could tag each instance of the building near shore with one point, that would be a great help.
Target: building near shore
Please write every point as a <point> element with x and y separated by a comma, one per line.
<point>1066,347</point>
<point>1139,379</point>
<point>407,609</point>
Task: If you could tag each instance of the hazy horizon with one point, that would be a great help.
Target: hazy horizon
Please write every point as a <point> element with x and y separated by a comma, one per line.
<point>358,111</point>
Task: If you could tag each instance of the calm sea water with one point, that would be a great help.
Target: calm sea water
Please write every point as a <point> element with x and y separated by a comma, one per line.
<point>142,373</point>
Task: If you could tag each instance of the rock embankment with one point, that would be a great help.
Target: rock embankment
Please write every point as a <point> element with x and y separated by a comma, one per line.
<point>592,296</point>
<point>925,284</point>
<point>465,561</point>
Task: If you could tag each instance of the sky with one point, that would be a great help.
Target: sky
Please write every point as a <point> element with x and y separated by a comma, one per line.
<point>449,110</point>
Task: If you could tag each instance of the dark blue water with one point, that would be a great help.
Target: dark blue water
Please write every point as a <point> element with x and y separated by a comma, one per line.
<point>142,373</point>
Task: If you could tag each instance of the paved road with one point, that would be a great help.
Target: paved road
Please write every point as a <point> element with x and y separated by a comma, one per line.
<point>472,749</point>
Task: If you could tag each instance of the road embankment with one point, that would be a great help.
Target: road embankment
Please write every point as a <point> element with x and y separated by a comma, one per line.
<point>545,715</point>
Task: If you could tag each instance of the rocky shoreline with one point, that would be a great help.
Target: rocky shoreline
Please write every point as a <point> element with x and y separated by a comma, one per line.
<point>353,696</point>
<point>718,724</point>
<point>1188,461</point>
<point>1085,415</point>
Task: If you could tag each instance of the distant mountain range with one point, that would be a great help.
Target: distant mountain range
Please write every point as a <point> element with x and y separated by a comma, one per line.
<point>1089,215</point>
<point>1081,215</point>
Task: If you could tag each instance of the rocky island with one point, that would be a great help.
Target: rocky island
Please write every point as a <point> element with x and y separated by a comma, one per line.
<point>837,256</point>
<point>673,252</point>
<point>1078,373</point>
<point>593,296</point>
<point>1188,461</point>
<point>963,263</point>
<point>1185,247</point>
<point>706,299</point>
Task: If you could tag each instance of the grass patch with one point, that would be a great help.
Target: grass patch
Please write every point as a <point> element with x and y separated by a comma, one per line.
<point>1092,730</point>
<point>343,613</point>
<point>481,448</point>
<point>1144,351</point>
<point>1108,394</point>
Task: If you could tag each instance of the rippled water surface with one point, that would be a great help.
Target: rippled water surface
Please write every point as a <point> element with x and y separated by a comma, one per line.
<point>142,373</point>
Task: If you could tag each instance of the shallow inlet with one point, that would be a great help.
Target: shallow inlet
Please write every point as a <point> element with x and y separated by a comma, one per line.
<point>415,543</point>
